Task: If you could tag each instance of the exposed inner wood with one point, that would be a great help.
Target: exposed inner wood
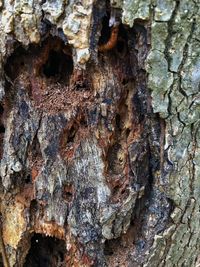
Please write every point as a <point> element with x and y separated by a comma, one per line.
<point>91,145</point>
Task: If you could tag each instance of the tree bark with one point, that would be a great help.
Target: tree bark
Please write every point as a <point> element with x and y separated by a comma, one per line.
<point>99,126</point>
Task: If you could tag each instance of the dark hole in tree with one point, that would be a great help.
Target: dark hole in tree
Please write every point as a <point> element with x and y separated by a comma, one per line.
<point>2,129</point>
<point>108,250</point>
<point>124,81</point>
<point>67,193</point>
<point>105,32</point>
<point>67,196</point>
<point>35,149</point>
<point>1,261</point>
<point>71,135</point>
<point>123,35</point>
<point>118,121</point>
<point>120,46</point>
<point>127,132</point>
<point>58,65</point>
<point>28,179</point>
<point>83,122</point>
<point>51,67</point>
<point>45,252</point>
<point>123,191</point>
<point>61,256</point>
<point>116,190</point>
<point>1,109</point>
<point>33,210</point>
<point>33,205</point>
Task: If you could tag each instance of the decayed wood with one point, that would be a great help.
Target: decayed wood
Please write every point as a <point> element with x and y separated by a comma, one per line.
<point>3,250</point>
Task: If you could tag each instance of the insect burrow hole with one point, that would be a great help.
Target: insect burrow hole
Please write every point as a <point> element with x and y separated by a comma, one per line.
<point>58,64</point>
<point>105,31</point>
<point>122,41</point>
<point>50,251</point>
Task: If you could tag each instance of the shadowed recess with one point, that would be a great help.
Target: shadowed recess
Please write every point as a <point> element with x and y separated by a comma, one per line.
<point>45,252</point>
<point>58,64</point>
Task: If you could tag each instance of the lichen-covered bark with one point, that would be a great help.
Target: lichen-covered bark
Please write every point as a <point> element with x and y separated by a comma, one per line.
<point>99,149</point>
<point>176,99</point>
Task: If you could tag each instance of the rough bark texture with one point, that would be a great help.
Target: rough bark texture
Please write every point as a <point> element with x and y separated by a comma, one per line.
<point>99,147</point>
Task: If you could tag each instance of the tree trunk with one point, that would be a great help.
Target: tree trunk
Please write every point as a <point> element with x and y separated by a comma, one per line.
<point>99,133</point>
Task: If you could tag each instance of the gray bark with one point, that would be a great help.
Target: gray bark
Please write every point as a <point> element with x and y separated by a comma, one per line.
<point>99,137</point>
